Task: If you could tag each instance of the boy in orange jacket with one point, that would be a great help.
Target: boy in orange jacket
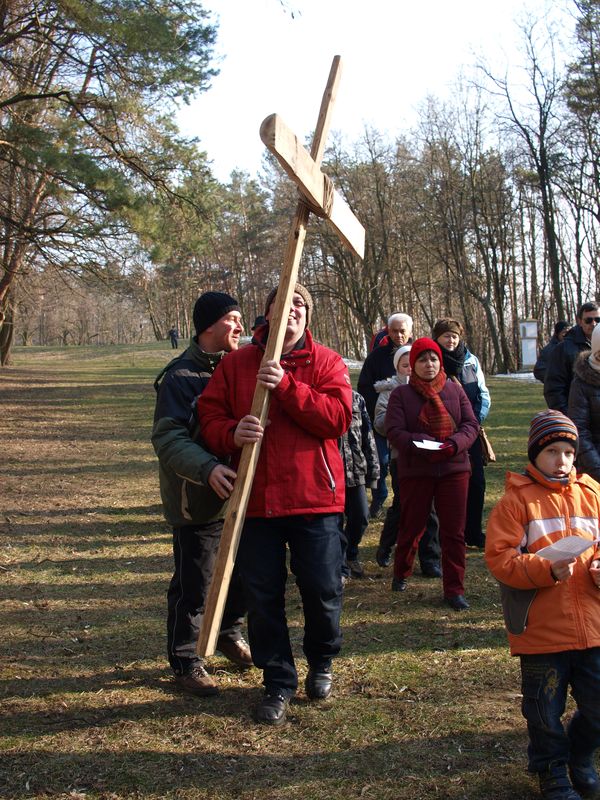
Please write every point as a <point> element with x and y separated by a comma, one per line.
<point>552,604</point>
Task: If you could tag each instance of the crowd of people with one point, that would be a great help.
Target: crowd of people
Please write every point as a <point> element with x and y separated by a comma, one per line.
<point>417,413</point>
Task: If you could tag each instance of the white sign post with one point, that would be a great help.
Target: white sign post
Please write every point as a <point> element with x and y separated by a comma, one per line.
<point>528,335</point>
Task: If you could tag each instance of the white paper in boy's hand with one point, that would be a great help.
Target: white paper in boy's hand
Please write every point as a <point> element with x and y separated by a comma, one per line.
<point>569,547</point>
<point>428,445</point>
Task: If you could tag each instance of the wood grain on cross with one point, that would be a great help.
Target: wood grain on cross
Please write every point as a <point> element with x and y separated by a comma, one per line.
<point>320,197</point>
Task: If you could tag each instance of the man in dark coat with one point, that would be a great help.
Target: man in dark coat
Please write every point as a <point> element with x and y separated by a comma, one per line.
<point>541,365</point>
<point>584,407</point>
<point>560,365</point>
<point>377,366</point>
<point>194,486</point>
<point>174,337</point>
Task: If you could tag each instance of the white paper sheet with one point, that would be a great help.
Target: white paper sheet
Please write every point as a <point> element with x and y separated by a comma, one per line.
<point>570,546</point>
<point>427,445</point>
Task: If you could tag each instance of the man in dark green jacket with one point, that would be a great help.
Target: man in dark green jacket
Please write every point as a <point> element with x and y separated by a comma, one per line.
<point>194,487</point>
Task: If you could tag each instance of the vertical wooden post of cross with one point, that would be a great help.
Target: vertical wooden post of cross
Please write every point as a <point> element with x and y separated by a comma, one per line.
<point>304,169</point>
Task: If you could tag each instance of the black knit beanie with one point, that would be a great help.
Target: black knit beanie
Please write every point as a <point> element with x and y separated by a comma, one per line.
<point>210,307</point>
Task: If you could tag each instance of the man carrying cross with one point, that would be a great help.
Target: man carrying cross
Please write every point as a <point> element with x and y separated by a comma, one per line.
<point>296,499</point>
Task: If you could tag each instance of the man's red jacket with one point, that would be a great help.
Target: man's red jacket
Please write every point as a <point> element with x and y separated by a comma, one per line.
<point>299,469</point>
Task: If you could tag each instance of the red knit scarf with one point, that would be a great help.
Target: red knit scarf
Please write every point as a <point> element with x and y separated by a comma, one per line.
<point>434,415</point>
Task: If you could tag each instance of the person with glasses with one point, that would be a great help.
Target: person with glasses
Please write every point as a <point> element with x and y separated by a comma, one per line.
<point>584,407</point>
<point>559,373</point>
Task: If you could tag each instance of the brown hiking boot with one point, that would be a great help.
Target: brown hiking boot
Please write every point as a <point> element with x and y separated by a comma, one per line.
<point>236,650</point>
<point>197,682</point>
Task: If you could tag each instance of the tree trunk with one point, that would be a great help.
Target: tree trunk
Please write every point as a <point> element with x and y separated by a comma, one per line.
<point>7,329</point>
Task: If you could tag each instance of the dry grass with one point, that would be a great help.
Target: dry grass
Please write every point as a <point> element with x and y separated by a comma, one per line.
<point>426,701</point>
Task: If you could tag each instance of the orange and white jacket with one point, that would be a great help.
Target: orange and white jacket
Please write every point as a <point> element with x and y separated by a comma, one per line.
<point>535,512</point>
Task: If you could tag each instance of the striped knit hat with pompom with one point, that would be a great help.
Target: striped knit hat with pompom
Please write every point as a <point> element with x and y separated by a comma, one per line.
<point>548,427</point>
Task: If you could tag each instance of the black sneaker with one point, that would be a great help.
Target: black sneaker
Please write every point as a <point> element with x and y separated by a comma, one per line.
<point>457,602</point>
<point>555,785</point>
<point>399,584</point>
<point>431,571</point>
<point>356,568</point>
<point>584,778</point>
<point>376,511</point>
<point>476,541</point>
<point>383,557</point>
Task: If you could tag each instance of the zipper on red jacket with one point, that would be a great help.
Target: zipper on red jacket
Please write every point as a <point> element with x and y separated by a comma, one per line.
<point>329,472</point>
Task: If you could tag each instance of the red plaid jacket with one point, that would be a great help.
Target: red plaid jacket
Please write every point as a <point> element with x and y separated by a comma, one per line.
<point>299,469</point>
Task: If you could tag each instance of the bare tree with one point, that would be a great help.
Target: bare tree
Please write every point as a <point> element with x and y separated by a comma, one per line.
<point>536,122</point>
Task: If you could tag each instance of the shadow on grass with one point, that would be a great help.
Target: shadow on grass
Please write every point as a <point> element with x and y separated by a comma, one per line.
<point>120,466</point>
<point>406,767</point>
<point>116,511</point>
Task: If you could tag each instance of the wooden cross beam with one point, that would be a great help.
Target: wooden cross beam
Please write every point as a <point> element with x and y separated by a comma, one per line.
<point>312,182</point>
<point>304,169</point>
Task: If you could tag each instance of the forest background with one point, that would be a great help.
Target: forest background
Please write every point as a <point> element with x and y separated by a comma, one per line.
<point>112,223</point>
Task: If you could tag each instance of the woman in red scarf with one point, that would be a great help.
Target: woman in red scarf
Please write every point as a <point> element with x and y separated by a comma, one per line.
<point>432,409</point>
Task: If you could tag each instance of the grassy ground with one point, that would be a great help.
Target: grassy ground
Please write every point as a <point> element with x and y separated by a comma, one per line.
<point>426,701</point>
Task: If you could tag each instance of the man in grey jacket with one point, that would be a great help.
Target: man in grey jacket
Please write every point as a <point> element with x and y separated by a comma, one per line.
<point>194,487</point>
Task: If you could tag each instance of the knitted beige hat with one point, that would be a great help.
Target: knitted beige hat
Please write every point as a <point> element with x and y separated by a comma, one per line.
<point>298,289</point>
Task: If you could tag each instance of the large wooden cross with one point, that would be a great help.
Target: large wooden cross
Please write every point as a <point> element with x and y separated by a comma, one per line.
<point>318,196</point>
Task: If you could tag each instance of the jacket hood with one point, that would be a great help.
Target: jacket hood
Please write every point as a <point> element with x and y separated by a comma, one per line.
<point>584,370</point>
<point>387,384</point>
<point>516,480</point>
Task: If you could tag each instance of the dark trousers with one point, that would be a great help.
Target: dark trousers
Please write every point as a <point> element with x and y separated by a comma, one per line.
<point>315,548</point>
<point>450,496</point>
<point>476,496</point>
<point>429,543</point>
<point>545,679</point>
<point>195,552</point>
<point>379,494</point>
<point>357,519</point>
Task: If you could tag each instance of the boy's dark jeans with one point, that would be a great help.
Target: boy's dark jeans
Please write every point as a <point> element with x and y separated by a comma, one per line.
<point>545,679</point>
<point>379,495</point>
<point>357,519</point>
